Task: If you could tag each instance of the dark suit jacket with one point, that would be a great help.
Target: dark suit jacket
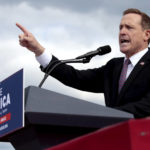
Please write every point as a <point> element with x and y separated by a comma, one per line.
<point>134,97</point>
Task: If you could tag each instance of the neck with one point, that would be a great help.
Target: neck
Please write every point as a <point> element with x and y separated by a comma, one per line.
<point>128,55</point>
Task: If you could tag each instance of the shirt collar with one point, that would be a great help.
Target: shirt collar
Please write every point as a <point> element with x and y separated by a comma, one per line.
<point>135,58</point>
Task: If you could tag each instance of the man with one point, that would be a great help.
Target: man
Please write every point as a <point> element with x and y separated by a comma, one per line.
<point>132,95</point>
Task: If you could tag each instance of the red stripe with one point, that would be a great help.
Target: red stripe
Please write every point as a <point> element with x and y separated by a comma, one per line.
<point>5,118</point>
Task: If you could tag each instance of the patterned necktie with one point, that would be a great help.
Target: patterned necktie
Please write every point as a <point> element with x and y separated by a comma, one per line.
<point>123,73</point>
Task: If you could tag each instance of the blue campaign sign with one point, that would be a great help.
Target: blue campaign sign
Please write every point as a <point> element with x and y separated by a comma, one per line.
<point>11,103</point>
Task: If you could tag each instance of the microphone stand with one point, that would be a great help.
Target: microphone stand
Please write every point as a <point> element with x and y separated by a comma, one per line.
<point>76,60</point>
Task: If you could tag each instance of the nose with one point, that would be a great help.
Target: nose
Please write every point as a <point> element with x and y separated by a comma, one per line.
<point>122,31</point>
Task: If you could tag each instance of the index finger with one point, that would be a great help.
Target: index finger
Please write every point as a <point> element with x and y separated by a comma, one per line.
<point>23,29</point>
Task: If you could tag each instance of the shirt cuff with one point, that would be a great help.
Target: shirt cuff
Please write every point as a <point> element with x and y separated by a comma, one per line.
<point>44,58</point>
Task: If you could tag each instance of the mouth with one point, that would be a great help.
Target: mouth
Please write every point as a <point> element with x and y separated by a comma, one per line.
<point>124,41</point>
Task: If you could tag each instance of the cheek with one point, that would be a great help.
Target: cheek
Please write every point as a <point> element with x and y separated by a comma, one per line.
<point>135,38</point>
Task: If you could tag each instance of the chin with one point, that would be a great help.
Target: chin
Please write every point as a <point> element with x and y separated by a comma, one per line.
<point>123,50</point>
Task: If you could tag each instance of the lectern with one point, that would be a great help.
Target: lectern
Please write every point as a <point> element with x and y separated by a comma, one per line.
<point>53,118</point>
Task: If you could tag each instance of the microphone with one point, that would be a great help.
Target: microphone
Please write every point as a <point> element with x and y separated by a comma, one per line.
<point>99,51</point>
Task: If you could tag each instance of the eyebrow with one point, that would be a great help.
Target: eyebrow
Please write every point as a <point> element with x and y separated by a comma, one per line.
<point>127,25</point>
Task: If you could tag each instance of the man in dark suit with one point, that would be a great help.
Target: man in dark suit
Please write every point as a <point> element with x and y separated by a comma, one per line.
<point>125,82</point>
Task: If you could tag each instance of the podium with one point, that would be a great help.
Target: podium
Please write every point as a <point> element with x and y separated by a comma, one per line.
<point>53,118</point>
<point>129,135</point>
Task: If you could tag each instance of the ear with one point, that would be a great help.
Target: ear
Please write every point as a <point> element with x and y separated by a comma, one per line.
<point>147,34</point>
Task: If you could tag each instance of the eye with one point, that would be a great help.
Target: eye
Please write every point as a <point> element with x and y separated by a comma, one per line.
<point>120,27</point>
<point>129,27</point>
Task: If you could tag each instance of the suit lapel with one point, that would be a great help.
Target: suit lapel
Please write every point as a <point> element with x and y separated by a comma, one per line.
<point>116,76</point>
<point>143,62</point>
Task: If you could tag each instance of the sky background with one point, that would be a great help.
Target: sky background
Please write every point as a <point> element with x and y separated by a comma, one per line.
<point>67,28</point>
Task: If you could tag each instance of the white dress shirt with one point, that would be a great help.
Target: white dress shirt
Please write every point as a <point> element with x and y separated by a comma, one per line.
<point>134,60</point>
<point>44,58</point>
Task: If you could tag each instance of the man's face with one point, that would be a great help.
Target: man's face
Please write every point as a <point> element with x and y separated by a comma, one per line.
<point>131,35</point>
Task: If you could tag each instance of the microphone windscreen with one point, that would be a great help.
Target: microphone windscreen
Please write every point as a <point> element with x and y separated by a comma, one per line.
<point>104,50</point>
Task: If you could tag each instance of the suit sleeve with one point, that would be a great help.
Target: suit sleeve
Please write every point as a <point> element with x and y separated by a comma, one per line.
<point>91,80</point>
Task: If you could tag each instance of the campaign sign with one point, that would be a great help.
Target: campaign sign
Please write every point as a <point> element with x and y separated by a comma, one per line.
<point>11,103</point>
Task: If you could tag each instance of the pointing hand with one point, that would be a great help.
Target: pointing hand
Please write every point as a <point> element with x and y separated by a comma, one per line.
<point>29,41</point>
